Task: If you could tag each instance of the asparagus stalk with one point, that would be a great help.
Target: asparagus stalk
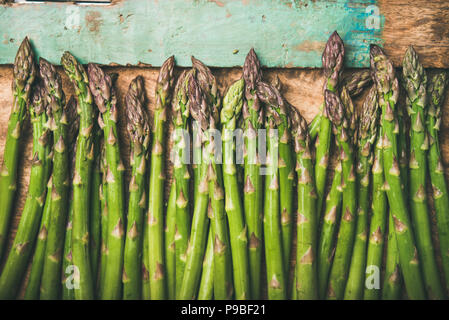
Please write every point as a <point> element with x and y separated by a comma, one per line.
<point>415,80</point>
<point>155,226</point>
<point>355,84</point>
<point>367,132</point>
<point>200,111</point>
<point>82,177</point>
<point>392,285</point>
<point>276,270</point>
<point>342,120</point>
<point>67,292</point>
<point>435,92</point>
<point>170,253</point>
<point>222,265</point>
<point>104,220</point>
<point>59,120</point>
<point>307,222</point>
<point>253,117</point>
<point>104,94</point>
<point>24,73</point>
<point>328,231</point>
<point>332,61</point>
<point>181,112</point>
<point>379,216</point>
<point>387,89</point>
<point>23,244</point>
<point>230,114</point>
<point>32,291</point>
<point>207,284</point>
<point>95,206</point>
<point>139,133</point>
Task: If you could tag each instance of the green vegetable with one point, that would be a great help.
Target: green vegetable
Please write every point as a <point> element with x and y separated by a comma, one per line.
<point>435,92</point>
<point>343,120</point>
<point>82,177</point>
<point>16,263</point>
<point>24,72</point>
<point>367,132</point>
<point>155,221</point>
<point>387,90</point>
<point>307,220</point>
<point>104,94</point>
<point>139,133</point>
<point>332,61</point>
<point>253,120</point>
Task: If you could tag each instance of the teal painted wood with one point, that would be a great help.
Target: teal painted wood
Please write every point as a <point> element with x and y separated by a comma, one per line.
<point>220,33</point>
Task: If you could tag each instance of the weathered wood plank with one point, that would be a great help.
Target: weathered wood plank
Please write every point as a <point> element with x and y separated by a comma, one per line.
<point>424,24</point>
<point>285,33</point>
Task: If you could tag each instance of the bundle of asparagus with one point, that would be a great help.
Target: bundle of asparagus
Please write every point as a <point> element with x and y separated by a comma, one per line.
<point>206,241</point>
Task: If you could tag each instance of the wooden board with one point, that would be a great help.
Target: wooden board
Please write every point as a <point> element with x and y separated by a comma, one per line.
<point>285,33</point>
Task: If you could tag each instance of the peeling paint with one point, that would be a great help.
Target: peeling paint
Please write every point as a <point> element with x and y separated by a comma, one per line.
<point>309,46</point>
<point>93,21</point>
<point>129,31</point>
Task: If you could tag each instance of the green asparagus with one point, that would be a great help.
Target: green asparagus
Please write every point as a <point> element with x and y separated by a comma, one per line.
<point>253,117</point>
<point>307,220</point>
<point>155,227</point>
<point>367,132</point>
<point>332,61</point>
<point>139,133</point>
<point>387,90</point>
<point>415,80</point>
<point>435,92</point>
<point>24,73</point>
<point>23,244</point>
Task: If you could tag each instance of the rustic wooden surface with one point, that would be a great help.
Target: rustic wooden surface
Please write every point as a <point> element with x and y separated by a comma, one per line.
<point>285,33</point>
<point>301,87</point>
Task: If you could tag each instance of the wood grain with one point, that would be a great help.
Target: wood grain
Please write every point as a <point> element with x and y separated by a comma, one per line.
<point>423,24</point>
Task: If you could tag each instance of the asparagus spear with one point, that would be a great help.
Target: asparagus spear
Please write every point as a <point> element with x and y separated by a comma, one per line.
<point>379,216</point>
<point>157,176</point>
<point>37,265</point>
<point>95,205</point>
<point>230,114</point>
<point>180,109</point>
<point>59,120</point>
<point>200,111</point>
<point>68,293</point>
<point>104,220</point>
<point>415,80</point>
<point>387,89</point>
<point>104,94</point>
<point>332,60</point>
<point>24,73</point>
<point>341,118</point>
<point>355,83</point>
<point>307,222</point>
<point>328,231</point>
<point>276,270</point>
<point>23,244</point>
<point>170,253</point>
<point>392,285</point>
<point>82,176</point>
<point>222,265</point>
<point>207,284</point>
<point>435,92</point>
<point>139,133</point>
<point>367,132</point>
<point>253,117</point>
